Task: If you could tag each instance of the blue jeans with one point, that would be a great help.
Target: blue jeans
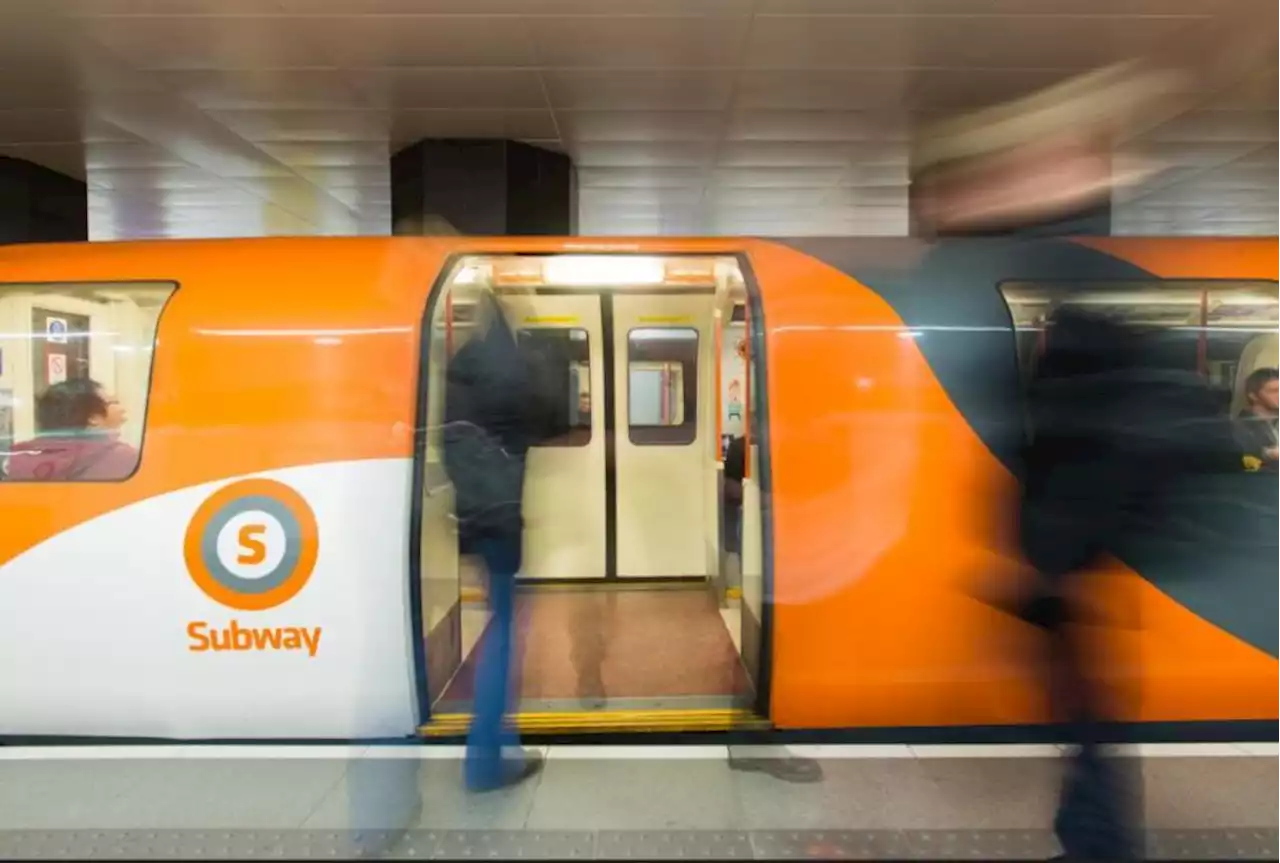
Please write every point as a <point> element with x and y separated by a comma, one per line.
<point>485,765</point>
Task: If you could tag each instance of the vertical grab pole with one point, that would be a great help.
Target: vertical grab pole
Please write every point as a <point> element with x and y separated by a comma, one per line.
<point>448,323</point>
<point>746,390</point>
<point>664,386</point>
<point>718,320</point>
<point>1202,343</point>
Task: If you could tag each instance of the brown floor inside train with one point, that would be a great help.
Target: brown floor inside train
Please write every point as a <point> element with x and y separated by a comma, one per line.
<point>593,644</point>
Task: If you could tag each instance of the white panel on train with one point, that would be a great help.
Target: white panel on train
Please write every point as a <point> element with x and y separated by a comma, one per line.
<point>665,422</point>
<point>105,631</point>
<point>564,490</point>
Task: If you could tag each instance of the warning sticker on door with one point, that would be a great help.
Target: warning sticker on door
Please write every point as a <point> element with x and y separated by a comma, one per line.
<point>55,331</point>
<point>56,368</point>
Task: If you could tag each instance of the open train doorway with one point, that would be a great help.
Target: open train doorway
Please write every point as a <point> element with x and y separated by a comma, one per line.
<point>640,603</point>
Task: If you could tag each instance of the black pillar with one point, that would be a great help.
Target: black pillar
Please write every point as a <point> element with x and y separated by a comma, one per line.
<point>484,187</point>
<point>38,205</point>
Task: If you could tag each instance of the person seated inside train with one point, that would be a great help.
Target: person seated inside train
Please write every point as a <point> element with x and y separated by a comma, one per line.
<point>1255,426</point>
<point>78,437</point>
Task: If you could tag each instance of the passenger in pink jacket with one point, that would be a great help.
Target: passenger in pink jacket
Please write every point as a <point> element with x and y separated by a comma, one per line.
<point>78,439</point>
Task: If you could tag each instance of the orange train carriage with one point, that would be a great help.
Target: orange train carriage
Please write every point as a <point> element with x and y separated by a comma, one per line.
<point>274,557</point>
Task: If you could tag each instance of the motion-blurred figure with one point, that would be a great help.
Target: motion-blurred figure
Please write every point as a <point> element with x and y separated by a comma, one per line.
<point>493,415</point>
<point>1078,479</point>
<point>1115,429</point>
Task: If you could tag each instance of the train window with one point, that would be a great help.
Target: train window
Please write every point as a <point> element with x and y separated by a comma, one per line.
<point>662,386</point>
<point>1224,330</point>
<point>75,376</point>
<point>563,355</point>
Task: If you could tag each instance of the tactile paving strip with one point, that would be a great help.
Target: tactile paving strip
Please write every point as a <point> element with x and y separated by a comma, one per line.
<point>1242,844</point>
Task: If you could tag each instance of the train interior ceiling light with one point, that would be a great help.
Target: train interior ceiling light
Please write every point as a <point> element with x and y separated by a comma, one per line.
<point>592,272</point>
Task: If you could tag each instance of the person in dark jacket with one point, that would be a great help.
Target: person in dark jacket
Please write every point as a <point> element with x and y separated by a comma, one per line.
<point>493,415</point>
<point>77,438</point>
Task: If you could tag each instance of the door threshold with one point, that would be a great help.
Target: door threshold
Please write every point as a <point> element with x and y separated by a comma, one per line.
<point>617,721</point>
<point>665,582</point>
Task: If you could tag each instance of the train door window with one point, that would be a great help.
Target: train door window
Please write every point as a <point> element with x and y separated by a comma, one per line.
<point>662,385</point>
<point>562,359</point>
<point>75,376</point>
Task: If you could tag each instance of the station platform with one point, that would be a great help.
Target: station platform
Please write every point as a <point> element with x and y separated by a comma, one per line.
<point>1208,801</point>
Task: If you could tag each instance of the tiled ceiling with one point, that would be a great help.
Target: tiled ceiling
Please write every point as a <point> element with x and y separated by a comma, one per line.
<point>246,117</point>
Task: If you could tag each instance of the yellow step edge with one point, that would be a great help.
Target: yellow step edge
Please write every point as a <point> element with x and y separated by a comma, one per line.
<point>733,593</point>
<point>588,721</point>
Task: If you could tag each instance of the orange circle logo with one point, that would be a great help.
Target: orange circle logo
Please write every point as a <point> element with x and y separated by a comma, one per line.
<point>252,545</point>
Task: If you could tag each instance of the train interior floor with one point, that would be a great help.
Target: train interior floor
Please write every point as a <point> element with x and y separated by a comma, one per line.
<point>1212,801</point>
<point>607,647</point>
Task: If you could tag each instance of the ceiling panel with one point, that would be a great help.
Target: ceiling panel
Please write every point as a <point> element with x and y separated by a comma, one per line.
<point>821,89</point>
<point>683,196</point>
<point>412,87</point>
<point>419,40</point>
<point>212,117</point>
<point>128,154</point>
<point>94,8</point>
<point>519,7</point>
<point>30,87</point>
<point>1035,42</point>
<point>782,154</point>
<point>271,89</point>
<point>577,89</point>
<point>638,42</point>
<point>632,154</point>
<point>137,179</point>
<point>640,125</point>
<point>987,7</point>
<point>816,126</point>
<point>412,125</point>
<point>640,178</point>
<point>873,196</point>
<point>737,198</point>
<point>952,89</point>
<point>206,42</point>
<point>306,125</point>
<point>869,176</point>
<point>766,178</point>
<point>829,43</point>
<point>354,176</point>
<point>329,154</point>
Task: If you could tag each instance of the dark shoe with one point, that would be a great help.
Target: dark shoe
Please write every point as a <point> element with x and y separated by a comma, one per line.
<point>513,774</point>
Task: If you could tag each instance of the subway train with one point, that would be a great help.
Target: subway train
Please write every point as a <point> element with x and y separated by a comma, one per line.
<point>226,515</point>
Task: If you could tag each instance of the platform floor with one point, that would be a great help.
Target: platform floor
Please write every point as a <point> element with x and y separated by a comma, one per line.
<point>854,802</point>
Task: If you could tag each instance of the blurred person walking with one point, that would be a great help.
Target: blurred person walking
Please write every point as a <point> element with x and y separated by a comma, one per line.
<point>494,412</point>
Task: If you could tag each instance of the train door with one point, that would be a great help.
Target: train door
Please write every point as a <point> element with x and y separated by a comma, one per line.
<point>664,438</point>
<point>622,539</point>
<point>564,503</point>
